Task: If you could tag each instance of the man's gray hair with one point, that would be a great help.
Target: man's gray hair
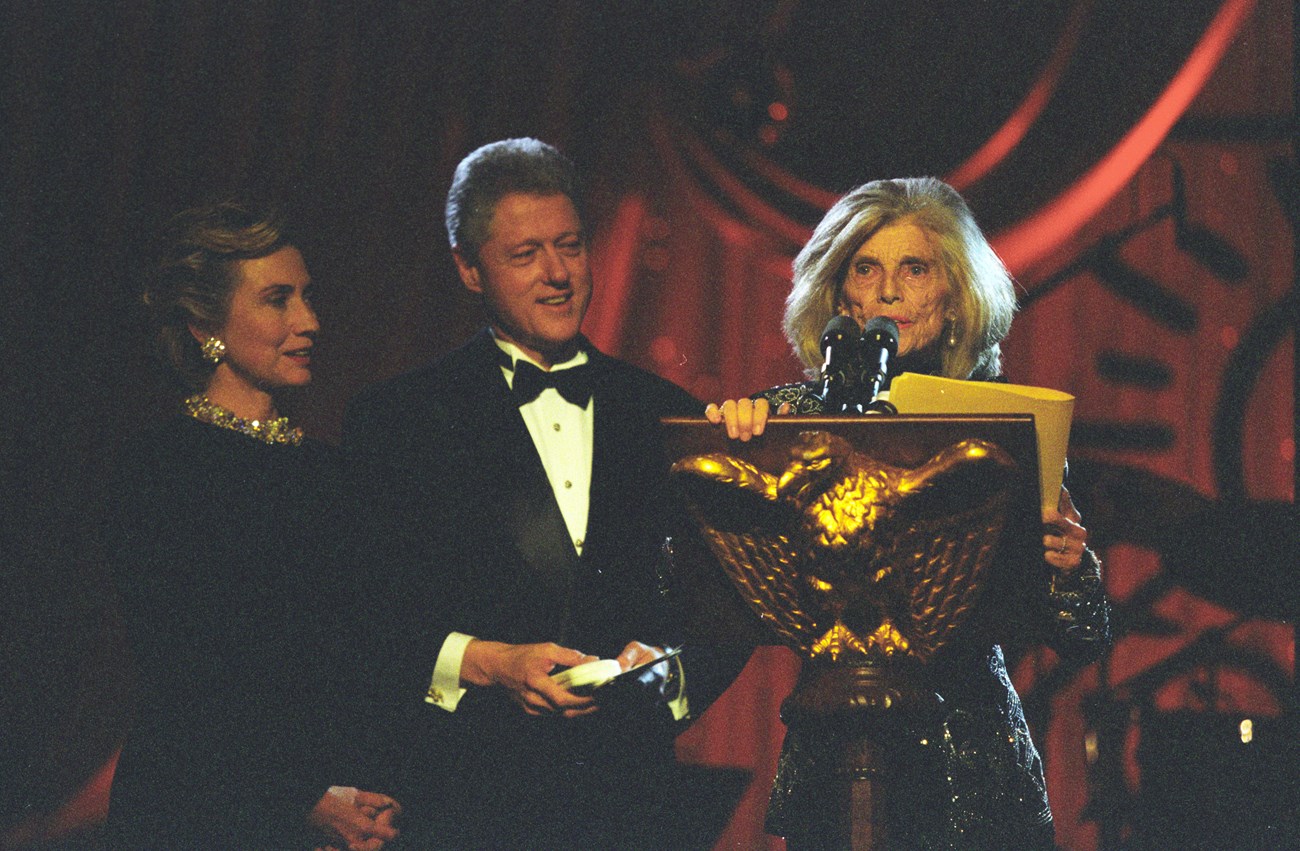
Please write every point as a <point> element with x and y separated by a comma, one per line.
<point>498,169</point>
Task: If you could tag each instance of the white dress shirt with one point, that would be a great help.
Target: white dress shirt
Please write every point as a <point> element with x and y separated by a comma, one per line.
<point>563,435</point>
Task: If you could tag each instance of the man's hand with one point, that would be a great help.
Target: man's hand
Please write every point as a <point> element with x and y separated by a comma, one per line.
<point>653,678</point>
<point>524,670</point>
<point>636,653</point>
<point>640,697</point>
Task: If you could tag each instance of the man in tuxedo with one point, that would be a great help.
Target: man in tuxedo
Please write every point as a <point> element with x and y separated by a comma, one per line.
<point>528,472</point>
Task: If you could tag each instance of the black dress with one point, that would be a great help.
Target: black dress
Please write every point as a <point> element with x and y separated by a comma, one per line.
<point>970,777</point>
<point>217,547</point>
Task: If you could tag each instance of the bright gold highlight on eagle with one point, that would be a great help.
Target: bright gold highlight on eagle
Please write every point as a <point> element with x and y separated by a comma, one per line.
<point>854,559</point>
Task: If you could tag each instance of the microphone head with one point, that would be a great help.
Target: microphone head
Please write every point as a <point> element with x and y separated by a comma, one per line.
<point>881,332</point>
<point>841,329</point>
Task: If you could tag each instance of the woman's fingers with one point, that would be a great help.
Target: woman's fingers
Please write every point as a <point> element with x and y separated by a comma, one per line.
<point>744,418</point>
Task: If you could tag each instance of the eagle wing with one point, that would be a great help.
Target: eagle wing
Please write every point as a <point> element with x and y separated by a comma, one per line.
<point>942,537</point>
<point>754,536</point>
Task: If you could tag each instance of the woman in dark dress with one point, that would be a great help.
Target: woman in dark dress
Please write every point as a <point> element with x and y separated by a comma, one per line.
<point>910,250</point>
<point>219,548</point>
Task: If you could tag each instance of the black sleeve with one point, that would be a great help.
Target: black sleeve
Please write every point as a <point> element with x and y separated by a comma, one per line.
<point>400,541</point>
<point>1080,629</point>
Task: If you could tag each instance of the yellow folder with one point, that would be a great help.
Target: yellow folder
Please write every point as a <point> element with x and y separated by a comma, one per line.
<point>912,393</point>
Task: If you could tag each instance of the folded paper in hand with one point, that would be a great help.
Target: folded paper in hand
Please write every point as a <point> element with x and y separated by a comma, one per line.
<point>912,393</point>
<point>592,675</point>
<point>588,675</point>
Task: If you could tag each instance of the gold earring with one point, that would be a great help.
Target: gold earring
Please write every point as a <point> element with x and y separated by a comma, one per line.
<point>952,332</point>
<point>213,350</point>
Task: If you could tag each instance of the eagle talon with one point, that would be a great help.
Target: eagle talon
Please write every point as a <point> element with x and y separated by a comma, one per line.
<point>888,639</point>
<point>837,640</point>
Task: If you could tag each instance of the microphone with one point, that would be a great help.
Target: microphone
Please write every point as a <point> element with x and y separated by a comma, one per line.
<point>879,344</point>
<point>841,346</point>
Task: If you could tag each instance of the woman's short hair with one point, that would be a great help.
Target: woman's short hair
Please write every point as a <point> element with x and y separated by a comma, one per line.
<point>982,294</point>
<point>197,272</point>
<point>496,170</point>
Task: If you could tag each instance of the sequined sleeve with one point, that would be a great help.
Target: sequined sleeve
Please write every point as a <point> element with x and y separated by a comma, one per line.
<point>800,396</point>
<point>1081,613</point>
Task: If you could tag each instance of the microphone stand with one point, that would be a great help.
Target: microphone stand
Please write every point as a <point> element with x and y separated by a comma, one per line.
<point>881,337</point>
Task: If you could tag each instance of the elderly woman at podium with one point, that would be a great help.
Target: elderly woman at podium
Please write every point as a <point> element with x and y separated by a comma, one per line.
<point>910,251</point>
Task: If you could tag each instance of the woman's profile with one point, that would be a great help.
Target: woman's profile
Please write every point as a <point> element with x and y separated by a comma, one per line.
<point>220,521</point>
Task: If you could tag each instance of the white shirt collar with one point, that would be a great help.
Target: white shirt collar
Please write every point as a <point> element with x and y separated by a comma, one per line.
<point>517,353</point>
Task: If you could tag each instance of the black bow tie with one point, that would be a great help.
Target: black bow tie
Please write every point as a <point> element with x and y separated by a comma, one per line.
<point>574,384</point>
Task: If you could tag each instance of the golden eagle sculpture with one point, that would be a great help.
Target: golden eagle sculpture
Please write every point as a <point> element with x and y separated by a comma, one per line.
<point>849,559</point>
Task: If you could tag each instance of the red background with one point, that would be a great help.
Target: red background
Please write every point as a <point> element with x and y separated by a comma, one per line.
<point>1137,172</point>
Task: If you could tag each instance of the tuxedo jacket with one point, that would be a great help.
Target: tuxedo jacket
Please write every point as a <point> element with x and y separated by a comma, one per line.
<point>477,544</point>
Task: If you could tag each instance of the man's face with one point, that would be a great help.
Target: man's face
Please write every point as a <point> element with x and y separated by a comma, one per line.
<point>533,275</point>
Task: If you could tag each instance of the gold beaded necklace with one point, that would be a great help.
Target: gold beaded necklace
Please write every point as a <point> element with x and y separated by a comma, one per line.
<point>273,431</point>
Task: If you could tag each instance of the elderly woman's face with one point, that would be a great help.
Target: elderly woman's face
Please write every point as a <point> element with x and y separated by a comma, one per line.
<point>897,273</point>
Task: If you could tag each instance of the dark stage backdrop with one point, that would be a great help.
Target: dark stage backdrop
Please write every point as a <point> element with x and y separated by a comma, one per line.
<point>1134,165</point>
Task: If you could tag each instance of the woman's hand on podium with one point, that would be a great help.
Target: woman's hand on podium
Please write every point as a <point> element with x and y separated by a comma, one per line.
<point>354,820</point>
<point>744,418</point>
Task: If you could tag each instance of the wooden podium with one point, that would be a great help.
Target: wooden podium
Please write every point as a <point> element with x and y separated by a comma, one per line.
<point>870,546</point>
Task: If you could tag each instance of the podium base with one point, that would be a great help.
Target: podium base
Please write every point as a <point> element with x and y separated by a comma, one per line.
<point>852,723</point>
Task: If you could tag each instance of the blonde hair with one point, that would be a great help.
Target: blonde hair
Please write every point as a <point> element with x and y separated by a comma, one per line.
<point>981,292</point>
